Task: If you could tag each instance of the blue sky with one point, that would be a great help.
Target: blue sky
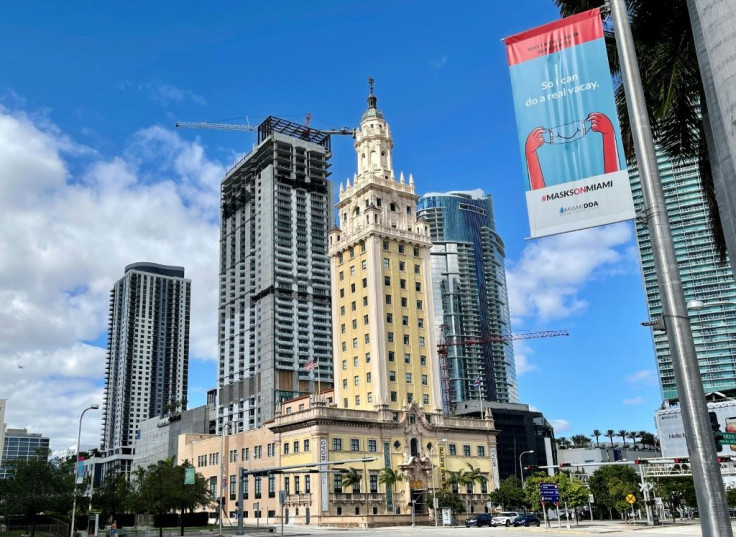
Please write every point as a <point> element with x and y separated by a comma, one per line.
<point>95,176</point>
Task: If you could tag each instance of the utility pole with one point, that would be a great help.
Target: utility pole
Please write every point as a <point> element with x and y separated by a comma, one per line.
<point>714,515</point>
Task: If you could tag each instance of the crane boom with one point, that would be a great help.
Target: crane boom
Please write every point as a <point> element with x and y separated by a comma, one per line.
<point>460,341</point>
<point>221,126</point>
<point>501,338</point>
<point>252,128</point>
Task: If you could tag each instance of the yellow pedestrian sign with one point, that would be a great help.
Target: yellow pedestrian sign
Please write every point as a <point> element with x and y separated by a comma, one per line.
<point>630,498</point>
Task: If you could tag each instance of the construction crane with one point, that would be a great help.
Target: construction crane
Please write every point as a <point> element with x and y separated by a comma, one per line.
<point>444,362</point>
<point>222,126</point>
<point>252,128</point>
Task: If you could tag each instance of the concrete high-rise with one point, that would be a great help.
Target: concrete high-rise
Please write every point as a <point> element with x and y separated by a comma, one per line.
<point>2,428</point>
<point>274,275</point>
<point>703,278</point>
<point>146,373</point>
<point>470,297</point>
<point>384,344</point>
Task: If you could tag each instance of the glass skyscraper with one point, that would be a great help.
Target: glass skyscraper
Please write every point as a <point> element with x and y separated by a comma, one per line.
<point>703,277</point>
<point>19,444</point>
<point>470,297</point>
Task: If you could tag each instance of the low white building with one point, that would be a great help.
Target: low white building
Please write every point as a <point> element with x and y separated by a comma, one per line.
<point>587,457</point>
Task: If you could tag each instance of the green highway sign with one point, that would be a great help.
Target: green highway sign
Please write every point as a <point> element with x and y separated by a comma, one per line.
<point>728,438</point>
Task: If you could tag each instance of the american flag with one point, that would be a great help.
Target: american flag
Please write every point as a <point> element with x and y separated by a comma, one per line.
<point>309,366</point>
<point>477,383</point>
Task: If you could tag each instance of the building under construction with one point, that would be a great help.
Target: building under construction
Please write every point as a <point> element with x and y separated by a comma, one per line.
<point>274,309</point>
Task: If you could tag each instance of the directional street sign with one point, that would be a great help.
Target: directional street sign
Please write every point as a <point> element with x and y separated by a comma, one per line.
<point>728,438</point>
<point>549,492</point>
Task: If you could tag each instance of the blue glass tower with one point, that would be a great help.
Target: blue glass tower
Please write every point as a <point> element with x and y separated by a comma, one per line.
<point>703,277</point>
<point>470,297</point>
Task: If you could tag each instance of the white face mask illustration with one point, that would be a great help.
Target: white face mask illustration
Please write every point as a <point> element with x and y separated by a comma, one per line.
<point>569,132</point>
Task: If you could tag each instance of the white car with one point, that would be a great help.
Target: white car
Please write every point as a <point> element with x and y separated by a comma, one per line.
<point>504,519</point>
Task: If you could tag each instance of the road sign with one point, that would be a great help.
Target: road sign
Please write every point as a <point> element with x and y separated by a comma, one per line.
<point>630,498</point>
<point>728,438</point>
<point>549,492</point>
<point>643,487</point>
<point>282,497</point>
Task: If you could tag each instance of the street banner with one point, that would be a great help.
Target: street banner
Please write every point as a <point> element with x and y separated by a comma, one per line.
<point>190,475</point>
<point>80,471</point>
<point>570,138</point>
<point>324,487</point>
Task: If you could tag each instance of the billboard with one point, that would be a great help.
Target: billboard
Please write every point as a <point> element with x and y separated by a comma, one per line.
<point>569,134</point>
<point>671,431</point>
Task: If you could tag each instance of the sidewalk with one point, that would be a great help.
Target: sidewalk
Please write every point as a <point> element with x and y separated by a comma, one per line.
<point>612,526</point>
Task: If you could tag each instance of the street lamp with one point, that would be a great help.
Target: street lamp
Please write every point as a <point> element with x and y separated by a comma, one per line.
<point>434,490</point>
<point>223,484</point>
<point>697,305</point>
<point>521,467</point>
<point>94,406</point>
<point>709,490</point>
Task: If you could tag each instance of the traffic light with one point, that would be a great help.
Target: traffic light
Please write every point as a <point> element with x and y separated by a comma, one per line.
<point>681,460</point>
<point>564,465</point>
<point>716,428</point>
<point>531,467</point>
<point>641,461</point>
<point>724,459</point>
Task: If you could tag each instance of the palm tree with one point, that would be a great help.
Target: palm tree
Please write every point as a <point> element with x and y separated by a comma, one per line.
<point>473,475</point>
<point>352,478</point>
<point>633,435</point>
<point>579,440</point>
<point>648,439</point>
<point>388,477</point>
<point>673,87</point>
<point>610,434</point>
<point>623,433</point>
<point>597,434</point>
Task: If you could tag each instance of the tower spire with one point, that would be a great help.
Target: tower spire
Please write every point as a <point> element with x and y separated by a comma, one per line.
<point>372,111</point>
<point>372,99</point>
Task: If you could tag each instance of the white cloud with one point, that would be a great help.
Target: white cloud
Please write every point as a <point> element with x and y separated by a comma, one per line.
<point>440,62</point>
<point>560,425</point>
<point>547,281</point>
<point>165,94</point>
<point>646,377</point>
<point>634,401</point>
<point>521,358</point>
<point>65,240</point>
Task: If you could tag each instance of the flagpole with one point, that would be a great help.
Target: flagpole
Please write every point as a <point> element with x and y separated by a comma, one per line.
<point>480,400</point>
<point>319,384</point>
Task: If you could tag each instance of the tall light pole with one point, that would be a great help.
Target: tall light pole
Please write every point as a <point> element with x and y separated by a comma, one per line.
<point>94,406</point>
<point>434,490</point>
<point>521,467</point>
<point>709,490</point>
<point>223,482</point>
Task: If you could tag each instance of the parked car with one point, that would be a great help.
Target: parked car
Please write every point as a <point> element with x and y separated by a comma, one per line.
<point>504,519</point>
<point>526,519</point>
<point>479,520</point>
